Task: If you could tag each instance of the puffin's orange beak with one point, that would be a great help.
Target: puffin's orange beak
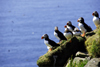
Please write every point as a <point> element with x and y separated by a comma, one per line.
<point>42,37</point>
<point>65,26</point>
<point>77,20</point>
<point>93,14</point>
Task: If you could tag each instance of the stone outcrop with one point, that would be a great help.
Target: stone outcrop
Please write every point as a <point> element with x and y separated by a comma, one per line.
<point>60,55</point>
<point>80,60</point>
<point>95,62</point>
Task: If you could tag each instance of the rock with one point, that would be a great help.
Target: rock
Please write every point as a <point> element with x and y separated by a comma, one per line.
<point>78,60</point>
<point>95,62</point>
<point>81,54</point>
<point>88,34</point>
<point>59,56</point>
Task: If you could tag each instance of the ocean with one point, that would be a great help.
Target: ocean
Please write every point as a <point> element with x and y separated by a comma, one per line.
<point>23,22</point>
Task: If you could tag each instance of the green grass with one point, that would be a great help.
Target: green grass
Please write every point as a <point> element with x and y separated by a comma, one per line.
<point>95,49</point>
<point>93,44</point>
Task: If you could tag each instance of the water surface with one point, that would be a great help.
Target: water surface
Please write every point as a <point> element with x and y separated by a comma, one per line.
<point>23,22</point>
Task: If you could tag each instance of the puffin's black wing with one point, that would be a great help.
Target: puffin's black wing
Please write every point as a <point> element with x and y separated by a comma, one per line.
<point>52,43</point>
<point>61,36</point>
<point>72,27</point>
<point>88,28</point>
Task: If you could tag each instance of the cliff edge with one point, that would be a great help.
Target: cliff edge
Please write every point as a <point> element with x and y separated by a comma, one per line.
<point>60,55</point>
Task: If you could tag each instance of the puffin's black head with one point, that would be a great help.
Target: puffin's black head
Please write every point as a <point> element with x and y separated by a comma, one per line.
<point>45,36</point>
<point>69,23</point>
<point>95,13</point>
<point>56,28</point>
<point>81,20</point>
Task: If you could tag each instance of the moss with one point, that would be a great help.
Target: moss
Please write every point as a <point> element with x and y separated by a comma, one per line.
<point>95,49</point>
<point>93,44</point>
<point>81,39</point>
<point>98,31</point>
<point>44,61</point>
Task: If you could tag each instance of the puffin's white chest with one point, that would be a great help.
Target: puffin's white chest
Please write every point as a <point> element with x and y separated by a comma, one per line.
<point>69,28</point>
<point>68,35</point>
<point>47,43</point>
<point>56,35</point>
<point>82,28</point>
<point>96,20</point>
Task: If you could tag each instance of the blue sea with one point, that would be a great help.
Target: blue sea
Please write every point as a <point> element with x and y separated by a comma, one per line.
<point>23,22</point>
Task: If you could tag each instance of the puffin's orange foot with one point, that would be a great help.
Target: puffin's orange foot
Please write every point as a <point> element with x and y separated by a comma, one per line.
<point>70,41</point>
<point>83,35</point>
<point>50,50</point>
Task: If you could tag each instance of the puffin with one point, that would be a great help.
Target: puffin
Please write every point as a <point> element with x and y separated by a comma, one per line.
<point>83,26</point>
<point>69,26</point>
<point>96,18</point>
<point>59,35</point>
<point>76,32</point>
<point>50,43</point>
<point>68,34</point>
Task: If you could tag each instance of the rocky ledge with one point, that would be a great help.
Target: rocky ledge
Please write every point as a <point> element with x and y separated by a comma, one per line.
<point>60,56</point>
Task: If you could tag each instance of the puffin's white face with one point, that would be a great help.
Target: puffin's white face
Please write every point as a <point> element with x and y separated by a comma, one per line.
<point>44,36</point>
<point>56,28</point>
<point>66,29</point>
<point>79,20</point>
<point>95,13</point>
<point>69,23</point>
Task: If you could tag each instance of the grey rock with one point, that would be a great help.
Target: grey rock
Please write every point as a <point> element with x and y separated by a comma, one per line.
<point>78,60</point>
<point>81,54</point>
<point>95,62</point>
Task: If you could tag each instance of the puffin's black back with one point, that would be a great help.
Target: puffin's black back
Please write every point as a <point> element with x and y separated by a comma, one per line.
<point>52,43</point>
<point>60,35</point>
<point>88,28</point>
<point>72,27</point>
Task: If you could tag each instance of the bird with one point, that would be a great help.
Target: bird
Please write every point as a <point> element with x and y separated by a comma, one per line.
<point>76,32</point>
<point>50,43</point>
<point>59,35</point>
<point>68,34</point>
<point>83,26</point>
<point>69,26</point>
<point>96,18</point>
